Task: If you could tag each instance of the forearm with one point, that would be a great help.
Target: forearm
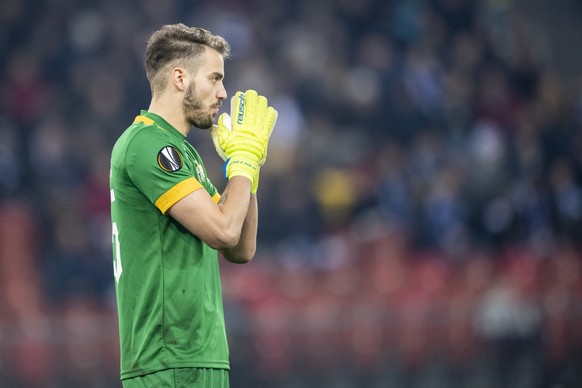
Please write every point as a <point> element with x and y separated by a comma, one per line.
<point>219,226</point>
<point>244,251</point>
<point>234,204</point>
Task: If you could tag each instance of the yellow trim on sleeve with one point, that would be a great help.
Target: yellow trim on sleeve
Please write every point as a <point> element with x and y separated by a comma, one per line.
<point>216,197</point>
<point>176,193</point>
<point>143,119</point>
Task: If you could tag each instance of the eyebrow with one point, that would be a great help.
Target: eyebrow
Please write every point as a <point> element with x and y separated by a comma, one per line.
<point>217,75</point>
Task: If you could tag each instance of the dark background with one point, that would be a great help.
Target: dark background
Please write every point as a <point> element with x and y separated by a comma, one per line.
<point>420,210</point>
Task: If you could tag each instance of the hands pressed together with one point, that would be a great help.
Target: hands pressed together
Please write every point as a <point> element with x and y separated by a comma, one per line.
<point>242,138</point>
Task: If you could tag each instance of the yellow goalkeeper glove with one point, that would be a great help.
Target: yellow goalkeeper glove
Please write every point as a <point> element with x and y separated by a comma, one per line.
<point>242,144</point>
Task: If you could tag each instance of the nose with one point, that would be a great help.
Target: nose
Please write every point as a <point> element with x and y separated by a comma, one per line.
<point>221,93</point>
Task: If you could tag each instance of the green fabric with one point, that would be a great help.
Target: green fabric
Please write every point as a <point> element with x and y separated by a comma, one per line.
<point>168,289</point>
<point>181,378</point>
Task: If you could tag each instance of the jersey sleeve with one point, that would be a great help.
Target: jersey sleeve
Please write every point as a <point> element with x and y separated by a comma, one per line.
<point>155,163</point>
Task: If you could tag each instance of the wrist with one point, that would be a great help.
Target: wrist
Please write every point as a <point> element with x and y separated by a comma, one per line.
<point>255,183</point>
<point>241,167</point>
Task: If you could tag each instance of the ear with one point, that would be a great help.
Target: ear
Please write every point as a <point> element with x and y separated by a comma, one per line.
<point>179,78</point>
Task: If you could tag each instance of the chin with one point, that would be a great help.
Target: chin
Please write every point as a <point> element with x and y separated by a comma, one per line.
<point>202,124</point>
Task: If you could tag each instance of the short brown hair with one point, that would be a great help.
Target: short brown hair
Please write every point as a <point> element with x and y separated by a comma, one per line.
<point>178,44</point>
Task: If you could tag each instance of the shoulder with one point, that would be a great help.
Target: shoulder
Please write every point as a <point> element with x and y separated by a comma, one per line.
<point>141,133</point>
<point>141,142</point>
<point>143,139</point>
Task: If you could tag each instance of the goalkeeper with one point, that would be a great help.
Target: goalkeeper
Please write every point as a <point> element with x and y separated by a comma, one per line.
<point>169,221</point>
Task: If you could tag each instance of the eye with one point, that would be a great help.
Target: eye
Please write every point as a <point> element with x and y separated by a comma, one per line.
<point>216,77</point>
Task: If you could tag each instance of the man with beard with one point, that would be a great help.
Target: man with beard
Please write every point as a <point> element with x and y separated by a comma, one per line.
<point>168,220</point>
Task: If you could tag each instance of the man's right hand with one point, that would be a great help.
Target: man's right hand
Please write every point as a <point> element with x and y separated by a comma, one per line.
<point>242,138</point>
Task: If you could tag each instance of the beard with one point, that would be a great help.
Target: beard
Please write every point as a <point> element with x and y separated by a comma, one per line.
<point>194,110</point>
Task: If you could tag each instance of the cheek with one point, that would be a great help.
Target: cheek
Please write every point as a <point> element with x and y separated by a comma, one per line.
<point>206,88</point>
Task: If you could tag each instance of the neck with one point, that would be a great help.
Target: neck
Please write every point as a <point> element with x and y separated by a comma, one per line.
<point>172,112</point>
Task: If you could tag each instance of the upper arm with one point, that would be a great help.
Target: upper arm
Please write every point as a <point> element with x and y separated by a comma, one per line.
<point>160,170</point>
<point>156,166</point>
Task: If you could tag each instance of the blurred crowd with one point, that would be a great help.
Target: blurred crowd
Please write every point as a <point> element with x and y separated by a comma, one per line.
<point>420,210</point>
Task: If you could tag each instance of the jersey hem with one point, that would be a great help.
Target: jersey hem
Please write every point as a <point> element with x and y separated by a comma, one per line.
<point>160,367</point>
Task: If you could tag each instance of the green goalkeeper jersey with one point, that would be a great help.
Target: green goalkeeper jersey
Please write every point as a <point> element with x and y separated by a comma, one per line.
<point>169,297</point>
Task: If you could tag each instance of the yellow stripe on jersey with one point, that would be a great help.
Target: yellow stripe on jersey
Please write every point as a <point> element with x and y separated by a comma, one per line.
<point>143,119</point>
<point>176,193</point>
<point>216,198</point>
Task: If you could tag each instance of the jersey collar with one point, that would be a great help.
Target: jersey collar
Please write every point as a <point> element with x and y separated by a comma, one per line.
<point>149,118</point>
